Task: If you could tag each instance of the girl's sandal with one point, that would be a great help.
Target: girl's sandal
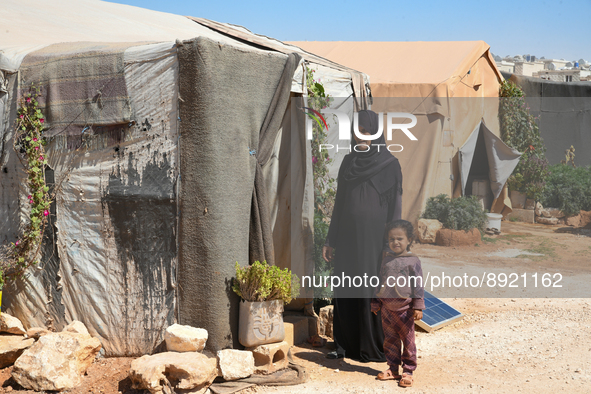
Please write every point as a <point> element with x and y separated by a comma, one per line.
<point>388,375</point>
<point>406,380</point>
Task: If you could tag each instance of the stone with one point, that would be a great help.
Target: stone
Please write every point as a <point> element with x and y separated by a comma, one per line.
<point>270,357</point>
<point>76,327</point>
<point>552,213</point>
<point>11,324</point>
<point>585,218</point>
<point>182,371</point>
<point>56,361</point>
<point>326,319</point>
<point>289,333</point>
<point>185,338</point>
<point>448,237</point>
<point>427,230</point>
<point>11,347</point>
<point>300,329</point>
<point>235,364</point>
<point>574,221</point>
<point>538,209</point>
<point>562,221</point>
<point>37,332</point>
<point>522,215</point>
<point>545,220</point>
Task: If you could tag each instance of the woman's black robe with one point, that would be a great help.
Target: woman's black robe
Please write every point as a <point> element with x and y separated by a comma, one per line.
<point>357,233</point>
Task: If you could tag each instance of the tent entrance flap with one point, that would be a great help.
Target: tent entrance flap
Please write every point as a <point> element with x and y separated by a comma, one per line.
<point>484,156</point>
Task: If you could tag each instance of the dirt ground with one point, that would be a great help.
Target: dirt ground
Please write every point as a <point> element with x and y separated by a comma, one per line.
<point>502,345</point>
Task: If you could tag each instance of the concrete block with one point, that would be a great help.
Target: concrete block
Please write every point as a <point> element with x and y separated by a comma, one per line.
<point>270,357</point>
<point>522,215</point>
<point>288,327</point>
<point>300,329</point>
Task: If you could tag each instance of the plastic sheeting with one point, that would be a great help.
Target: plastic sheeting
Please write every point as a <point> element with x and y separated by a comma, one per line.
<point>502,159</point>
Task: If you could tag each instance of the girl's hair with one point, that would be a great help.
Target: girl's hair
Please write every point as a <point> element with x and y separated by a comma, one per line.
<point>406,226</point>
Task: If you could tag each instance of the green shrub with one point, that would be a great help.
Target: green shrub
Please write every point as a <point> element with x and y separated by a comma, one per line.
<point>568,188</point>
<point>519,130</point>
<point>262,282</point>
<point>463,213</point>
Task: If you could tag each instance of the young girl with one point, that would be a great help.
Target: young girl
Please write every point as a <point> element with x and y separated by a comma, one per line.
<point>400,298</point>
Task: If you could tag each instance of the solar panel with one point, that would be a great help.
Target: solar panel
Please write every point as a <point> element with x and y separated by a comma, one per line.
<point>437,314</point>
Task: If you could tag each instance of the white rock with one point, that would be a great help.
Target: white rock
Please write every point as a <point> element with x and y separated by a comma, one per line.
<point>185,338</point>
<point>427,230</point>
<point>538,209</point>
<point>552,213</point>
<point>235,364</point>
<point>547,220</point>
<point>184,371</point>
<point>37,332</point>
<point>77,327</point>
<point>11,347</point>
<point>11,324</point>
<point>56,361</point>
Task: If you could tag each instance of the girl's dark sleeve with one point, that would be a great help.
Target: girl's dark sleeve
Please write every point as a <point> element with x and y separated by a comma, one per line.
<point>331,238</point>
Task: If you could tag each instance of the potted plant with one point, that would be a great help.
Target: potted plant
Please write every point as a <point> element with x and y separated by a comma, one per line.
<point>462,218</point>
<point>264,290</point>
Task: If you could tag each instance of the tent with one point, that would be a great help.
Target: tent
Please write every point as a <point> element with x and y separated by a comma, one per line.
<point>451,87</point>
<point>171,155</point>
<point>564,111</point>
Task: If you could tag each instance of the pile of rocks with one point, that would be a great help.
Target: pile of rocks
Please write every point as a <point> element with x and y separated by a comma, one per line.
<point>431,231</point>
<point>555,216</point>
<point>71,352</point>
<point>187,366</point>
<point>57,361</point>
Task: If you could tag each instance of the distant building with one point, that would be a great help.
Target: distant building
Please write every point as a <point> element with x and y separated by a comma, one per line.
<point>572,75</point>
<point>506,66</point>
<point>528,68</point>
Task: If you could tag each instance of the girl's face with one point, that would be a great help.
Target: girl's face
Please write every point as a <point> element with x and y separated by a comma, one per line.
<point>398,241</point>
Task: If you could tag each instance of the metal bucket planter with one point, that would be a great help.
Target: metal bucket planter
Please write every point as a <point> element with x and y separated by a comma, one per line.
<point>518,199</point>
<point>261,323</point>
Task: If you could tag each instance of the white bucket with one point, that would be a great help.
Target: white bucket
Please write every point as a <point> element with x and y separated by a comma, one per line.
<point>494,220</point>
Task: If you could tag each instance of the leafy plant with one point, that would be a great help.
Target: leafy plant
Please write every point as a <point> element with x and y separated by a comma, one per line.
<point>324,185</point>
<point>519,130</point>
<point>262,282</point>
<point>568,188</point>
<point>29,144</point>
<point>463,213</point>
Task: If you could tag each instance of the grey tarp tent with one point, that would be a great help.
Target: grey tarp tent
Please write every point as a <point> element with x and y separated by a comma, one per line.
<point>152,167</point>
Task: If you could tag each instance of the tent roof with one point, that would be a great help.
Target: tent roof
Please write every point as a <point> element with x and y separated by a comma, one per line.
<point>29,25</point>
<point>417,62</point>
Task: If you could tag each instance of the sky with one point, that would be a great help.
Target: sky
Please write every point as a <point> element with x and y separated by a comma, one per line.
<point>553,29</point>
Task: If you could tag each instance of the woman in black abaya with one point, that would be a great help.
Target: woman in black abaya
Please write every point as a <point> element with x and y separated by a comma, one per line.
<point>368,196</point>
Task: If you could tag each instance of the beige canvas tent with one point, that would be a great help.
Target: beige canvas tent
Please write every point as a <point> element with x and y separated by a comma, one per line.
<point>450,87</point>
<point>159,125</point>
